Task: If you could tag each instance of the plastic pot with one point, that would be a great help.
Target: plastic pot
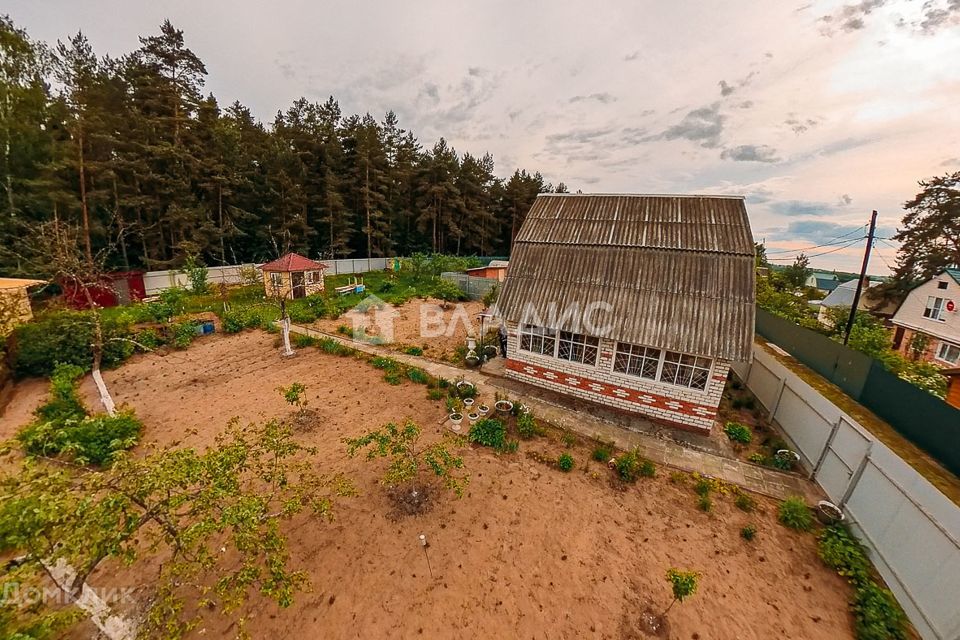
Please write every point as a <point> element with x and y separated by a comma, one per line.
<point>483,409</point>
<point>468,402</point>
<point>456,418</point>
<point>473,417</point>
<point>503,406</point>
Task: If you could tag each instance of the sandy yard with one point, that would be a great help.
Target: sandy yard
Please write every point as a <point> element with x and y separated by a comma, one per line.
<point>528,552</point>
<point>416,323</point>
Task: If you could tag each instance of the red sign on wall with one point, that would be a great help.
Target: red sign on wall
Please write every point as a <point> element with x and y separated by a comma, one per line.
<point>950,305</point>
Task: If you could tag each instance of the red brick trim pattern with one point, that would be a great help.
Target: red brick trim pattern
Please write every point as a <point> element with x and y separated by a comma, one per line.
<point>644,401</point>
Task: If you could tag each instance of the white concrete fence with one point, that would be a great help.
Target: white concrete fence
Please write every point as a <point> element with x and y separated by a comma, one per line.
<point>911,529</point>
<point>157,281</point>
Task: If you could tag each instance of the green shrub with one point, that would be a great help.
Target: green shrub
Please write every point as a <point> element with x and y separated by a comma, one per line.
<point>602,453</point>
<point>565,462</point>
<point>413,351</point>
<point>64,402</point>
<point>510,446</point>
<point>783,461</point>
<point>148,340</point>
<point>877,614</point>
<point>631,465</point>
<point>302,341</point>
<point>647,469</point>
<point>738,432</point>
<point>418,375</point>
<point>704,503</point>
<point>703,487</point>
<point>380,362</point>
<point>392,376</point>
<point>841,551</point>
<point>448,291</point>
<point>527,426</point>
<point>794,513</point>
<point>334,348</point>
<point>744,502</point>
<point>62,426</point>
<point>758,458</point>
<point>67,336</point>
<point>489,432</point>
<point>569,440</point>
<point>183,333</point>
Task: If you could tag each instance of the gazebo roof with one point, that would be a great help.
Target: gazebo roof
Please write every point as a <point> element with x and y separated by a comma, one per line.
<point>293,262</point>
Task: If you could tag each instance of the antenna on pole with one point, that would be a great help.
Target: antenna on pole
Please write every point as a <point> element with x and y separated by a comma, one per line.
<point>863,275</point>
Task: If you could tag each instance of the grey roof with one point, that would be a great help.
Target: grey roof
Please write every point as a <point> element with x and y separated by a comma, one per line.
<point>842,295</point>
<point>678,271</point>
<point>827,284</point>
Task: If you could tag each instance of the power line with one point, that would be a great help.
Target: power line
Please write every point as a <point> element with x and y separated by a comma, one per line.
<point>829,243</point>
<point>849,244</point>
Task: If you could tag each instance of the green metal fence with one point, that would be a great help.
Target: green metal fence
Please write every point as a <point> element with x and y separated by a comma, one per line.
<point>922,418</point>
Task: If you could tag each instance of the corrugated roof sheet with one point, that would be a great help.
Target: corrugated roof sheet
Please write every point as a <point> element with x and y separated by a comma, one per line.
<point>678,271</point>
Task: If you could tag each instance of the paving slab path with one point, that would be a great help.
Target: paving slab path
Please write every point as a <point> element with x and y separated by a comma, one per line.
<point>770,482</point>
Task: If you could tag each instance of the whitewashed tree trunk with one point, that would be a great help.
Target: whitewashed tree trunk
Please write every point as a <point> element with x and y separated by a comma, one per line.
<point>285,330</point>
<point>113,626</point>
<point>105,398</point>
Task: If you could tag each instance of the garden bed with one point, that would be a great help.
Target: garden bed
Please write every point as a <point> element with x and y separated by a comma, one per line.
<point>528,551</point>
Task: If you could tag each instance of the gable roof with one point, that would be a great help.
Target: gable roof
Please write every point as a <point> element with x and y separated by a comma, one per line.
<point>293,262</point>
<point>953,273</point>
<point>842,294</point>
<point>827,284</point>
<point>677,271</point>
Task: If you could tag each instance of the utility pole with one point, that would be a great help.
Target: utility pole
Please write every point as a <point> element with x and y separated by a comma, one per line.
<point>863,274</point>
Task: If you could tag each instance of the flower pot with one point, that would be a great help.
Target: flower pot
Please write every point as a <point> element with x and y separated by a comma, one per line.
<point>490,351</point>
<point>829,513</point>
<point>503,406</point>
<point>483,409</point>
<point>456,418</point>
<point>464,385</point>
<point>473,417</point>
<point>471,361</point>
<point>468,402</point>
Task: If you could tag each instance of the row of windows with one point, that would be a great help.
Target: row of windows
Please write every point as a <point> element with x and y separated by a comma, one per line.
<point>657,365</point>
<point>276,279</point>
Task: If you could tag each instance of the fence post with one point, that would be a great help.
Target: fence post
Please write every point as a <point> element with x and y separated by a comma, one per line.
<point>776,402</point>
<point>855,478</point>
<point>826,448</point>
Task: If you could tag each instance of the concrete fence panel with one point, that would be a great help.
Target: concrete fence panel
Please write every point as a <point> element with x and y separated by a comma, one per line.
<point>910,528</point>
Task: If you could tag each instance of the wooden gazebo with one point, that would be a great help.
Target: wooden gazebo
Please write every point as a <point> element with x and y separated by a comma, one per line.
<point>293,276</point>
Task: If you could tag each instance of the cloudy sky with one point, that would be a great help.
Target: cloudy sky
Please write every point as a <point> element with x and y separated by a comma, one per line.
<point>816,112</point>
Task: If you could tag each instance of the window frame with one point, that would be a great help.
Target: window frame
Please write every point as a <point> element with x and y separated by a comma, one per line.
<point>683,361</point>
<point>943,350</point>
<point>276,279</point>
<point>933,310</point>
<point>574,340</point>
<point>534,333</point>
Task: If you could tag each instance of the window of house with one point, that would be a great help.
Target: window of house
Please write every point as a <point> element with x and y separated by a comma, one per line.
<point>276,279</point>
<point>934,309</point>
<point>538,340</point>
<point>637,361</point>
<point>941,284</point>
<point>669,367</point>
<point>577,347</point>
<point>313,277</point>
<point>948,353</point>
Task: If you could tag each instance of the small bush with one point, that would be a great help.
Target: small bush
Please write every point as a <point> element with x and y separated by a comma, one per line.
<point>647,469</point>
<point>745,502</point>
<point>703,487</point>
<point>489,432</point>
<point>569,440</point>
<point>418,375</point>
<point>748,532</point>
<point>841,551</point>
<point>302,341</point>
<point>758,458</point>
<point>88,440</point>
<point>510,446</point>
<point>64,403</point>
<point>413,351</point>
<point>381,362</point>
<point>877,614</point>
<point>602,453</point>
<point>631,465</point>
<point>392,376</point>
<point>183,333</point>
<point>334,348</point>
<point>565,462</point>
<point>435,394</point>
<point>794,513</point>
<point>527,426</point>
<point>738,432</point>
<point>66,336</point>
<point>704,503</point>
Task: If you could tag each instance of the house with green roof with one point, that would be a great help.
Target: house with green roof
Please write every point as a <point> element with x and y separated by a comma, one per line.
<point>927,324</point>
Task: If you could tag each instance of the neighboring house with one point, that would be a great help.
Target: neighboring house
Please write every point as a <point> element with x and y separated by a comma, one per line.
<point>15,303</point>
<point>631,301</point>
<point>927,324</point>
<point>823,281</point>
<point>953,386</point>
<point>293,276</point>
<point>842,296</point>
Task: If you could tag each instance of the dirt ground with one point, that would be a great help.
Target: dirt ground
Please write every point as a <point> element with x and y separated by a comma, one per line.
<point>453,325</point>
<point>528,552</point>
